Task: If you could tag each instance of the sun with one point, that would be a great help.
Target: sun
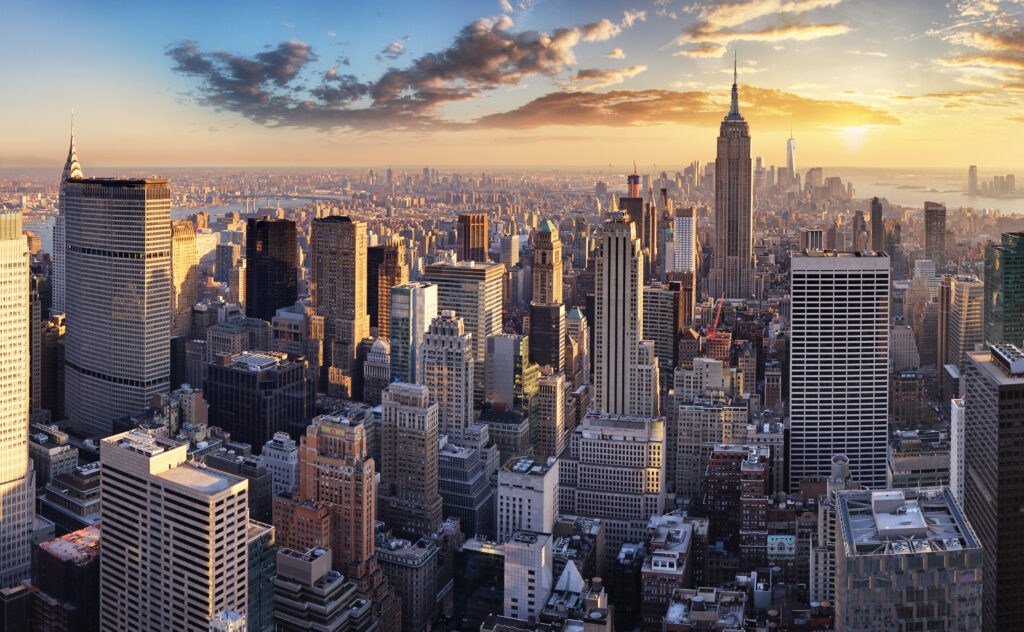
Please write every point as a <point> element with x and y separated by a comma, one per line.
<point>853,137</point>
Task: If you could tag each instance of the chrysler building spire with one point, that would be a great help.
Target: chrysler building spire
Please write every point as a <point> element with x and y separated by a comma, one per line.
<point>72,168</point>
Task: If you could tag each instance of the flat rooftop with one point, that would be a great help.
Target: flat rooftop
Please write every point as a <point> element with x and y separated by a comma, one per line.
<point>119,182</point>
<point>525,465</point>
<point>990,367</point>
<point>79,546</point>
<point>258,360</point>
<point>144,443</point>
<point>201,479</point>
<point>903,522</point>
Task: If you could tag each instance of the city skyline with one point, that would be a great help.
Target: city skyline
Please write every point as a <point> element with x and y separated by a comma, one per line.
<point>295,86</point>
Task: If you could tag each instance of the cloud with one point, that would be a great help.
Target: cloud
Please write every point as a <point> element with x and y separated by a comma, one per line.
<point>723,15</point>
<point>483,56</point>
<point>287,25</point>
<point>600,31</point>
<point>704,50</point>
<point>988,50</point>
<point>1009,62</point>
<point>869,53</point>
<point>594,78</point>
<point>331,34</point>
<point>505,6</point>
<point>799,32</point>
<point>617,54</point>
<point>393,50</point>
<point>1016,119</point>
<point>632,16</point>
<point>718,23</point>
<point>627,108</point>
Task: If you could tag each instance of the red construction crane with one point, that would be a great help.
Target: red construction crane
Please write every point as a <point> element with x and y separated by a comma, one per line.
<point>714,326</point>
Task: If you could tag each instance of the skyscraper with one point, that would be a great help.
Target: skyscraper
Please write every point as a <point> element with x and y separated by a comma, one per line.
<point>72,169</point>
<point>17,487</point>
<point>614,470</point>
<point>1004,290</point>
<point>409,500</point>
<point>839,367</point>
<point>877,226</point>
<point>472,237</point>
<point>547,334</point>
<point>337,247</point>
<point>271,274</point>
<point>174,537</point>
<point>473,291</point>
<point>551,430</point>
<point>118,304</point>
<point>732,270</point>
<point>684,239</point>
<point>255,394</point>
<point>447,370</point>
<point>791,158</point>
<point>547,264</point>
<point>994,477</point>
<point>185,277</point>
<point>935,233</point>
<point>964,330</point>
<point>334,469</point>
<point>413,308</point>
<point>392,271</point>
<point>972,180</point>
<point>619,323</point>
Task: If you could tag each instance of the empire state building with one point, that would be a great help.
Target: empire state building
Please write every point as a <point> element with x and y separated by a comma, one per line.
<point>732,270</point>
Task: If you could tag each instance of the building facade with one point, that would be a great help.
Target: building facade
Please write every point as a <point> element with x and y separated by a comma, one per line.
<point>174,537</point>
<point>118,246</point>
<point>271,272</point>
<point>839,377</point>
<point>17,486</point>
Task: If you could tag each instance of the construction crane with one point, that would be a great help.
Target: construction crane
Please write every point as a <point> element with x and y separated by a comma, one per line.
<point>714,326</point>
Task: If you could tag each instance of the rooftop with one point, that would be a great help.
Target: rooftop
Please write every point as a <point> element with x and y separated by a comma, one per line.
<point>258,360</point>
<point>201,479</point>
<point>144,443</point>
<point>525,465</point>
<point>902,522</point>
<point>707,606</point>
<point>995,371</point>
<point>80,546</point>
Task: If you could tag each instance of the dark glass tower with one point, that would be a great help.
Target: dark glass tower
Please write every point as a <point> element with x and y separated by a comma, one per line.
<point>935,234</point>
<point>1004,290</point>
<point>271,279</point>
<point>877,226</point>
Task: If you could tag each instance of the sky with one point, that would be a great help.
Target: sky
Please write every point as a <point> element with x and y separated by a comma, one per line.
<point>518,83</point>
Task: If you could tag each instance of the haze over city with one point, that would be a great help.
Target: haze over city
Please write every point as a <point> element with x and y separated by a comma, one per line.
<point>512,316</point>
<point>866,83</point>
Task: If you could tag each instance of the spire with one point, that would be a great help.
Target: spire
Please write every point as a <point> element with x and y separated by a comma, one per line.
<point>72,168</point>
<point>734,109</point>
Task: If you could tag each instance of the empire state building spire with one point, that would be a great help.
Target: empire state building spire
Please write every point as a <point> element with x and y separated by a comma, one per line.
<point>734,109</point>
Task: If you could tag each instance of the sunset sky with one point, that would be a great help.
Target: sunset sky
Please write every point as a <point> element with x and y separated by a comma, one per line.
<point>505,82</point>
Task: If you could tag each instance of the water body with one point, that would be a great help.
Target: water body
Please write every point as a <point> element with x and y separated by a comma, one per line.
<point>44,228</point>
<point>913,189</point>
<point>239,207</point>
